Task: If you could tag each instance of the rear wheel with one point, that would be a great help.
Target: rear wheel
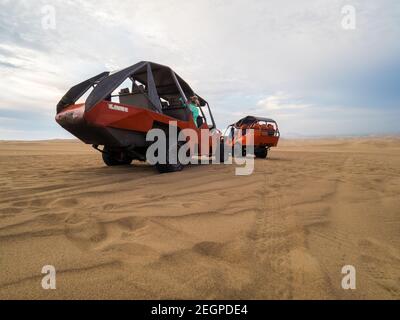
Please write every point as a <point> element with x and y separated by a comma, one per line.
<point>115,158</point>
<point>239,150</point>
<point>261,153</point>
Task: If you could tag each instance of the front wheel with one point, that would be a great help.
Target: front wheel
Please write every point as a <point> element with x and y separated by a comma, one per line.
<point>171,165</point>
<point>223,156</point>
<point>115,158</point>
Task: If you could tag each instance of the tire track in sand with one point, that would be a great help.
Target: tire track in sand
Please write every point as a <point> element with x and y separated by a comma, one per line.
<point>271,243</point>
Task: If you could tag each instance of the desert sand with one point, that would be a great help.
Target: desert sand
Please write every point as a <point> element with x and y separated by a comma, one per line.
<point>284,232</point>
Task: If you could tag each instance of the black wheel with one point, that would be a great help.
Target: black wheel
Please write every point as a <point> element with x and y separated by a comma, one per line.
<point>222,156</point>
<point>115,158</point>
<point>261,153</point>
<point>171,167</point>
<point>239,149</point>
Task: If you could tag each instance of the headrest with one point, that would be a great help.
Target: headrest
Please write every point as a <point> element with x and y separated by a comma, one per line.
<point>138,89</point>
<point>124,91</point>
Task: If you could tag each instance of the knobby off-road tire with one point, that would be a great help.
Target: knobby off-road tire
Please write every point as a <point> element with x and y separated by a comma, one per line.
<point>222,156</point>
<point>241,150</point>
<point>171,167</point>
<point>111,158</point>
<point>261,153</point>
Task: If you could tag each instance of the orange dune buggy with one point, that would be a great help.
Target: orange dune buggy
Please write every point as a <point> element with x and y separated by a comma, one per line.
<point>266,135</point>
<point>121,107</point>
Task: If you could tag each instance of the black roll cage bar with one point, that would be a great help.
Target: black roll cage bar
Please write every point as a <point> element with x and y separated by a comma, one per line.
<point>233,125</point>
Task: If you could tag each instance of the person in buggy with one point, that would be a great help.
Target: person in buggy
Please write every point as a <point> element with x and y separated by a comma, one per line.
<point>194,104</point>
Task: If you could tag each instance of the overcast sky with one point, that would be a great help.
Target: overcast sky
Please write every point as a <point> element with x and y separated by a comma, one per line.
<point>295,61</point>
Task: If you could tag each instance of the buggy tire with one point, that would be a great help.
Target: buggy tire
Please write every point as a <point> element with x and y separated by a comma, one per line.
<point>222,156</point>
<point>241,150</point>
<point>169,167</point>
<point>261,153</point>
<point>112,159</point>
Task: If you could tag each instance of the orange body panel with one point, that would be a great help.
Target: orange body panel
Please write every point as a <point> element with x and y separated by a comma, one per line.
<point>120,116</point>
<point>261,139</point>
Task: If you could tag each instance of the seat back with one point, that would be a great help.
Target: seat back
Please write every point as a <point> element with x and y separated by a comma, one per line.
<point>137,98</point>
<point>180,113</point>
<point>174,102</point>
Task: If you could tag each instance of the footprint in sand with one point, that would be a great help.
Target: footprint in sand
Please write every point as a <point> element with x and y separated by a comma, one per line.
<point>65,203</point>
<point>10,211</point>
<point>86,234</point>
<point>20,204</point>
<point>108,207</point>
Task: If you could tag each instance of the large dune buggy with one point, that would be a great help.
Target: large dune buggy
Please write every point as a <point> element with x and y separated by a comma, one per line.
<point>121,107</point>
<point>236,137</point>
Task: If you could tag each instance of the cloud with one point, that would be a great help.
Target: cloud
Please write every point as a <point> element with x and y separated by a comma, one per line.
<point>284,59</point>
<point>280,102</point>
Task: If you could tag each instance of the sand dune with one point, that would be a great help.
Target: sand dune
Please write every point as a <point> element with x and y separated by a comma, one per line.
<point>283,232</point>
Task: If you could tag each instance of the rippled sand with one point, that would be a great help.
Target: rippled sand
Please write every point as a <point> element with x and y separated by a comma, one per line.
<point>284,232</point>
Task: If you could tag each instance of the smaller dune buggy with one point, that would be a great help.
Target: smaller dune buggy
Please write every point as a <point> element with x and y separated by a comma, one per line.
<point>266,135</point>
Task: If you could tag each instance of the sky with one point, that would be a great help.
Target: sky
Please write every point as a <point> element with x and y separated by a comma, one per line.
<point>318,67</point>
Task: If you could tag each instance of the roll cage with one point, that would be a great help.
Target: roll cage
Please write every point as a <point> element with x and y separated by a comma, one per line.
<point>250,122</point>
<point>159,84</point>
